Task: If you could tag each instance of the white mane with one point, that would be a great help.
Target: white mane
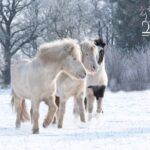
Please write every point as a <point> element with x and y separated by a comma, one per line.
<point>59,47</point>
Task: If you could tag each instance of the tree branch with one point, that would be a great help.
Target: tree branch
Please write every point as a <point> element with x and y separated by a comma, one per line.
<point>2,42</point>
<point>32,37</point>
<point>21,30</point>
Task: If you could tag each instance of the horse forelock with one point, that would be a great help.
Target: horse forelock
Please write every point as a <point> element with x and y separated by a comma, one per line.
<point>88,44</point>
<point>99,42</point>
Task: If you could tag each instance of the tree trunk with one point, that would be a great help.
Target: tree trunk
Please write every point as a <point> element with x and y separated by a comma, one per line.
<point>6,71</point>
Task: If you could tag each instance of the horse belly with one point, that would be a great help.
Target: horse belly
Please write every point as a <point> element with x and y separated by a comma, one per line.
<point>66,86</point>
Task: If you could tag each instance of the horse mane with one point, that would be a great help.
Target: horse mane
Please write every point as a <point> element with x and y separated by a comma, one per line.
<point>99,42</point>
<point>59,49</point>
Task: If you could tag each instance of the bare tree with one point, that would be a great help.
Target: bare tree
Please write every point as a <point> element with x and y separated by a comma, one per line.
<point>35,16</point>
<point>67,18</point>
<point>15,30</point>
<point>59,19</point>
<point>102,13</point>
<point>1,62</point>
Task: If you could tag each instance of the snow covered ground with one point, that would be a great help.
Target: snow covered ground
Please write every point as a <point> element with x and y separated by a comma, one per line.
<point>125,124</point>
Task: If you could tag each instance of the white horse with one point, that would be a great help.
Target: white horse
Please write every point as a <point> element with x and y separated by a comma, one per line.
<point>67,86</point>
<point>36,79</point>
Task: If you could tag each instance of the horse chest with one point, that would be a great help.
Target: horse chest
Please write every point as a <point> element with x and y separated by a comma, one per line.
<point>98,78</point>
<point>93,79</point>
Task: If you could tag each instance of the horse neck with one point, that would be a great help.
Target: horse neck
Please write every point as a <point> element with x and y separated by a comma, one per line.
<point>53,68</point>
<point>50,69</point>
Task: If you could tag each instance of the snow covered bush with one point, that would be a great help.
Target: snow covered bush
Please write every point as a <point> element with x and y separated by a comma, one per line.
<point>128,71</point>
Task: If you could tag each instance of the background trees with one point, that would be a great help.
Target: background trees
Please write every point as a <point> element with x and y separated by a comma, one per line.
<point>128,24</point>
<point>24,24</point>
<point>16,29</point>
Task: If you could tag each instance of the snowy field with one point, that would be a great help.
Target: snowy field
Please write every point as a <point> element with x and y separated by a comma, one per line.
<point>125,124</point>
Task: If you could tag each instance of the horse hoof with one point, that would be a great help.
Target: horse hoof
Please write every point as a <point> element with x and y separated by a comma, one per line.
<point>100,111</point>
<point>45,124</point>
<point>35,131</point>
<point>90,116</point>
<point>83,120</point>
<point>59,126</point>
<point>18,125</point>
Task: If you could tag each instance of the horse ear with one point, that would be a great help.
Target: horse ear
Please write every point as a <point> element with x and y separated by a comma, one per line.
<point>99,42</point>
<point>103,44</point>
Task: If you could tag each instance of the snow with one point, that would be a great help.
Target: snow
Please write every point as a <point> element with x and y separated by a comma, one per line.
<point>125,124</point>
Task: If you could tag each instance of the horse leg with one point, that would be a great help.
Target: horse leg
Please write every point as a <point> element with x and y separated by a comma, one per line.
<point>81,108</point>
<point>18,111</point>
<point>51,111</point>
<point>61,112</point>
<point>100,98</point>
<point>99,105</point>
<point>35,116</point>
<point>75,108</point>
<point>57,101</point>
<point>90,105</point>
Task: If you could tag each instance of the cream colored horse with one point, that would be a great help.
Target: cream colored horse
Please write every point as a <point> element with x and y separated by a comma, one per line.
<point>36,79</point>
<point>95,84</point>
<point>67,86</point>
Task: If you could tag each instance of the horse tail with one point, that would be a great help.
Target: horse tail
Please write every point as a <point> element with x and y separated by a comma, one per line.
<point>24,113</point>
<point>12,98</point>
<point>20,105</point>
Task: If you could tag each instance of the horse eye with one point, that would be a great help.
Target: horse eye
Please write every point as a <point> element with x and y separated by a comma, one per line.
<point>102,51</point>
<point>74,58</point>
<point>93,48</point>
<point>86,54</point>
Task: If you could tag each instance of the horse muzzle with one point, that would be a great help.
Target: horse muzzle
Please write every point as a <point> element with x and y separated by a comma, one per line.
<point>82,76</point>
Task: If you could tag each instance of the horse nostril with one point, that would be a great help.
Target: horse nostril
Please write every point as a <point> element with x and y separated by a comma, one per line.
<point>94,67</point>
